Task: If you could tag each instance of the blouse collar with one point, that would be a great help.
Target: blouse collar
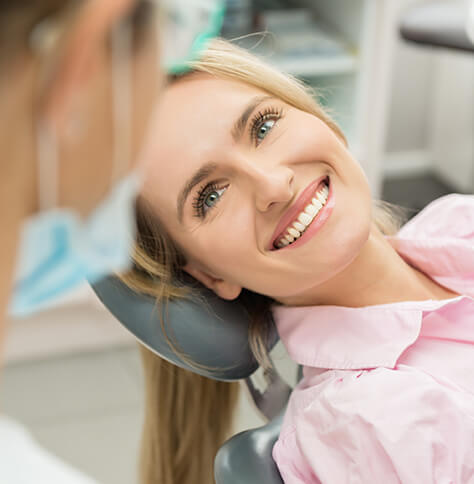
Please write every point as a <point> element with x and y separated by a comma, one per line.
<point>354,338</point>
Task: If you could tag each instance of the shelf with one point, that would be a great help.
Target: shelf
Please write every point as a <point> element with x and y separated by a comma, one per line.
<point>303,63</point>
<point>296,43</point>
<point>314,66</point>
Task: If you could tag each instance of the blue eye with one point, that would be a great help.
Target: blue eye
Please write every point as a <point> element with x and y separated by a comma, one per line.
<point>263,123</point>
<point>264,129</point>
<point>213,197</point>
<point>207,198</point>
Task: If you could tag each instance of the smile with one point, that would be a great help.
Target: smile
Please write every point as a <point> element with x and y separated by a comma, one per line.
<point>312,210</point>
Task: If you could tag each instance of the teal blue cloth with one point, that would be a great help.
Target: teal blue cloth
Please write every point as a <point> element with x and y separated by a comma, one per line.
<point>216,18</point>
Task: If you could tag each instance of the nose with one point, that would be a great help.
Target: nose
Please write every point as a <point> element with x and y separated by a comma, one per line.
<point>271,185</point>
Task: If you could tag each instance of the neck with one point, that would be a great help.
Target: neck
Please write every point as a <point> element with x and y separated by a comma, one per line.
<point>378,275</point>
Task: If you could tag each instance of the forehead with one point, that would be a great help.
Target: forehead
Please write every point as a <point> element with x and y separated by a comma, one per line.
<point>199,108</point>
<point>206,84</point>
<point>192,125</point>
<point>201,97</point>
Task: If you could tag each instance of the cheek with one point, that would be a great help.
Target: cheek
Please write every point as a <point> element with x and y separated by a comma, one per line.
<point>347,232</point>
<point>224,250</point>
<point>312,138</point>
<point>321,264</point>
<point>346,241</point>
<point>224,245</point>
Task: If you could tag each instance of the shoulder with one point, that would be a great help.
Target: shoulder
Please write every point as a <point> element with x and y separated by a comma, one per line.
<point>448,216</point>
<point>407,394</point>
<point>381,425</point>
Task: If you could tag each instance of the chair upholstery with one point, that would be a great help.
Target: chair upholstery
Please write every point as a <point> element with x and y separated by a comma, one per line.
<point>213,333</point>
<point>247,457</point>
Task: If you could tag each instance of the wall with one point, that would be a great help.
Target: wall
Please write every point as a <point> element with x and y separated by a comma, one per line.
<point>431,114</point>
<point>411,92</point>
<point>452,125</point>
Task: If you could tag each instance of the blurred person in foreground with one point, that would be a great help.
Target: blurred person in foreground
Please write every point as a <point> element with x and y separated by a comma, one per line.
<point>78,82</point>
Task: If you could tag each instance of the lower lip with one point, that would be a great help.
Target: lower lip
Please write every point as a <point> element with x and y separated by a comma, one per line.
<point>317,223</point>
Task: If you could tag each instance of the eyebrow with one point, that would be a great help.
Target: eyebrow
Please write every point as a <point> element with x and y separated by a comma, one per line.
<point>210,167</point>
<point>206,170</point>
<point>239,126</point>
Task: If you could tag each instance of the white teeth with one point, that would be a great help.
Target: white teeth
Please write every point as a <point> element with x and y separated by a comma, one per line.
<point>311,210</point>
<point>295,230</point>
<point>304,218</point>
<point>295,233</point>
<point>299,226</point>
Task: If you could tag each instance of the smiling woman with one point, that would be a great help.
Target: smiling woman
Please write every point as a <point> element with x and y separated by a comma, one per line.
<point>261,97</point>
<point>254,193</point>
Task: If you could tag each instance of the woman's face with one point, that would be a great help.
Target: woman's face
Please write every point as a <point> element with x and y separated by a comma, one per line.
<point>232,171</point>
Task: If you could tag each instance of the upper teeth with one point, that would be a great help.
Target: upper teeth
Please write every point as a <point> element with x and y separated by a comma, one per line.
<point>296,228</point>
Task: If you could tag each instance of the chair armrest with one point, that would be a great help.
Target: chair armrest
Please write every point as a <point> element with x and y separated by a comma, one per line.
<point>246,458</point>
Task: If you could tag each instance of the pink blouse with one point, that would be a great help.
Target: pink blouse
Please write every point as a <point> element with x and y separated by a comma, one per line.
<point>387,394</point>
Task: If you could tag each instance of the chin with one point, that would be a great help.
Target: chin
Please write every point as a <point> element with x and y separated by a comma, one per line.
<point>345,243</point>
<point>328,262</point>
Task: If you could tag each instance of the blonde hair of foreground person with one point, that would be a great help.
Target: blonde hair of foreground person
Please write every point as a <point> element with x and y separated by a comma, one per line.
<point>187,416</point>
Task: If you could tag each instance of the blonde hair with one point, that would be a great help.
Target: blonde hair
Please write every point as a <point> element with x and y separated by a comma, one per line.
<point>157,266</point>
<point>187,418</point>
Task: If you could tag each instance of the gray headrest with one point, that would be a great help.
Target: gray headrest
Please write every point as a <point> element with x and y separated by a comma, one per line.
<point>210,331</point>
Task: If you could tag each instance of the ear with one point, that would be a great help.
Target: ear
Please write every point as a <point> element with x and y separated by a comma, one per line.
<point>82,46</point>
<point>224,289</point>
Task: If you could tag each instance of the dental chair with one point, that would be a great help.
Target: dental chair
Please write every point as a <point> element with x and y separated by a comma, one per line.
<point>438,23</point>
<point>214,334</point>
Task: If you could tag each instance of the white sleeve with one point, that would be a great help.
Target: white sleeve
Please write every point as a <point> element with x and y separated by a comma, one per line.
<point>22,461</point>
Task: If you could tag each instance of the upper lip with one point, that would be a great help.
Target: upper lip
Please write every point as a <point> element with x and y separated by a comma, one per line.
<point>292,213</point>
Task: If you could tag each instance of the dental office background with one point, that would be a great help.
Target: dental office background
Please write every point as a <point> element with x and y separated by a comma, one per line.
<point>73,374</point>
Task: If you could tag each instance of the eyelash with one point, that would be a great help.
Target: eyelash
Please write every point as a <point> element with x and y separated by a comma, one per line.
<point>271,113</point>
<point>198,202</point>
